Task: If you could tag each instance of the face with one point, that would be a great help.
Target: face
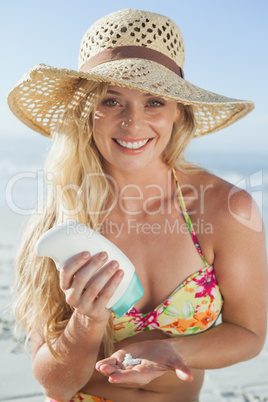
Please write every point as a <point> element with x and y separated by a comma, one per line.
<point>132,128</point>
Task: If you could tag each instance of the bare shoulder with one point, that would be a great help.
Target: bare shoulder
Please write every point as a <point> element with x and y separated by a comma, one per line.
<point>234,219</point>
<point>224,203</point>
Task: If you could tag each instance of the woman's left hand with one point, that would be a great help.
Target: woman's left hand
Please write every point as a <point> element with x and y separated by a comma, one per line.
<point>156,357</point>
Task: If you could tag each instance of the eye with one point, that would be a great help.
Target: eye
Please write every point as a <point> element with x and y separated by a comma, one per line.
<point>110,102</point>
<point>156,103</point>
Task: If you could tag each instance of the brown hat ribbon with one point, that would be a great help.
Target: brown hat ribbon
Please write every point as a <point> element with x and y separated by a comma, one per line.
<point>132,52</point>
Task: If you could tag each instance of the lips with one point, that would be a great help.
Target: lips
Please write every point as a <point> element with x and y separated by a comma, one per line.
<point>132,144</point>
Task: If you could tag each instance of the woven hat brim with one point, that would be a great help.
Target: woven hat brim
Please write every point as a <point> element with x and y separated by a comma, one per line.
<point>45,92</point>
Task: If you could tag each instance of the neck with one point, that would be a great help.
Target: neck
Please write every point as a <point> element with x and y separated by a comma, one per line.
<point>142,191</point>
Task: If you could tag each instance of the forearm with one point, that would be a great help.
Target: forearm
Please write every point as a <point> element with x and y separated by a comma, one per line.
<point>221,346</point>
<point>78,348</point>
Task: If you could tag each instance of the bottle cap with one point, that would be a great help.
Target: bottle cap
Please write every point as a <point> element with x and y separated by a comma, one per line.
<point>132,294</point>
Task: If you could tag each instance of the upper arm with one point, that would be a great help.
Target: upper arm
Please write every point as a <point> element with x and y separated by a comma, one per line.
<point>241,263</point>
<point>37,341</point>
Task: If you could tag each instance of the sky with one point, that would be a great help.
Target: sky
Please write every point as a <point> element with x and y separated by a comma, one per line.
<point>225,43</point>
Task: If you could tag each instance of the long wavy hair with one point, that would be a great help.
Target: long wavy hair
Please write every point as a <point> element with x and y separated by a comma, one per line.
<point>77,188</point>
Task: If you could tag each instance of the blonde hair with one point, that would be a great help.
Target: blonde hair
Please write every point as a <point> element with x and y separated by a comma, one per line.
<point>77,188</point>
<point>182,134</point>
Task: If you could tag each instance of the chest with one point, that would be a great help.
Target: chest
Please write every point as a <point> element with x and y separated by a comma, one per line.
<point>162,251</point>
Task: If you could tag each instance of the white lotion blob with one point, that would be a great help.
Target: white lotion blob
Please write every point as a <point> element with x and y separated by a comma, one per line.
<point>129,361</point>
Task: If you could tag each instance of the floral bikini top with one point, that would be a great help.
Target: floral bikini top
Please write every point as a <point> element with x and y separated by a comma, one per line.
<point>192,307</point>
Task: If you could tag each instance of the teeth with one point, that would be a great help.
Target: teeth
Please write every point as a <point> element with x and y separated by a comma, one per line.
<point>132,145</point>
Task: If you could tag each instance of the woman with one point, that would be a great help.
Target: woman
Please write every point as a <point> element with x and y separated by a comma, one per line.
<point>120,127</point>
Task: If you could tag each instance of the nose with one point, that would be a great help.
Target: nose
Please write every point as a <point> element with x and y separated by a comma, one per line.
<point>131,118</point>
<point>126,122</point>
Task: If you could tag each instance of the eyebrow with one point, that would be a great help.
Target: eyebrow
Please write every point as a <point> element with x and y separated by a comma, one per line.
<point>111,92</point>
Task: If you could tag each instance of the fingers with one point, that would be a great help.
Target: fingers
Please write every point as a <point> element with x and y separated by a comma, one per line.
<point>115,360</point>
<point>111,364</point>
<point>93,269</point>
<point>87,280</point>
<point>101,363</point>
<point>104,285</point>
<point>183,372</point>
<point>108,369</point>
<point>118,373</point>
<point>71,267</point>
<point>128,377</point>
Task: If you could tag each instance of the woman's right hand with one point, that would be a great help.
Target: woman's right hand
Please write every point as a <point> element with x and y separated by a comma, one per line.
<point>89,283</point>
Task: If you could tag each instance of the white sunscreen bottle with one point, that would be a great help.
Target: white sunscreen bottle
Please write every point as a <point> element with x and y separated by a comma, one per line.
<point>64,241</point>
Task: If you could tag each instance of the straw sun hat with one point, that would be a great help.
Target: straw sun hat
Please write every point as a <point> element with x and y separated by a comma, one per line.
<point>138,49</point>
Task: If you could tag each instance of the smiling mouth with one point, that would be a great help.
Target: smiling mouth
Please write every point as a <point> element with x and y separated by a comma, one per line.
<point>132,145</point>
